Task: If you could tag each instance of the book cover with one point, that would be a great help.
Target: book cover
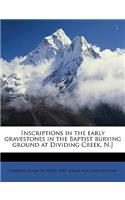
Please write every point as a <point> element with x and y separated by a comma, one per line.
<point>62,100</point>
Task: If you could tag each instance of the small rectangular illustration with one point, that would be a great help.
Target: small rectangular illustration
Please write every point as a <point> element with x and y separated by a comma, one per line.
<point>62,72</point>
